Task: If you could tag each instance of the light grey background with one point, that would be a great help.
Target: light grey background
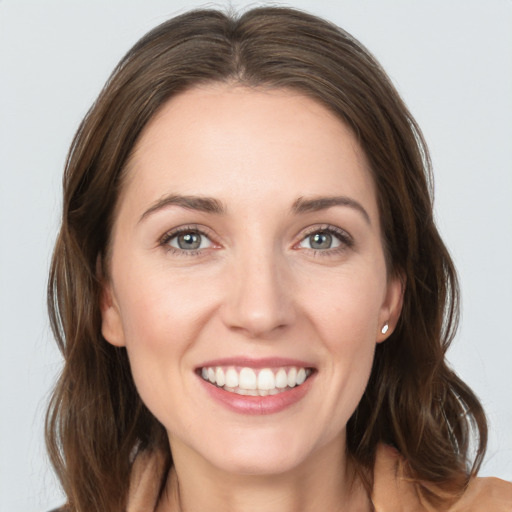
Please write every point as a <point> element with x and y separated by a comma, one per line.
<point>451,61</point>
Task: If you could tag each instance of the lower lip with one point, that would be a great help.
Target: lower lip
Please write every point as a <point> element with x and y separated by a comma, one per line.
<point>255,405</point>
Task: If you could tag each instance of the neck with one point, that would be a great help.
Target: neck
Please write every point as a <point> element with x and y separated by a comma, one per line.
<point>323,482</point>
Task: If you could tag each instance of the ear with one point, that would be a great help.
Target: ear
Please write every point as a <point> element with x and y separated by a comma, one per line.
<point>391,307</point>
<point>111,320</point>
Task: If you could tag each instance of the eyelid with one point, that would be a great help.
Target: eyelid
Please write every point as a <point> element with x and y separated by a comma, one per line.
<point>195,228</point>
<point>346,239</point>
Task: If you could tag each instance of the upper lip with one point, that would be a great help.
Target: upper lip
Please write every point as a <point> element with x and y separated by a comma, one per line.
<point>256,363</point>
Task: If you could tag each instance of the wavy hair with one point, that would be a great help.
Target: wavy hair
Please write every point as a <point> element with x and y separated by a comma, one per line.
<point>96,422</point>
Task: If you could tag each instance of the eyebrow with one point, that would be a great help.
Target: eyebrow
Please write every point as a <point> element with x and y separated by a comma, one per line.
<point>315,204</point>
<point>198,203</point>
<point>212,205</point>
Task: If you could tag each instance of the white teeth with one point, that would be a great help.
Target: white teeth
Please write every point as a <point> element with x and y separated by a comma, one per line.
<point>266,380</point>
<point>231,378</point>
<point>220,379</point>
<point>281,379</point>
<point>292,377</point>
<point>247,379</point>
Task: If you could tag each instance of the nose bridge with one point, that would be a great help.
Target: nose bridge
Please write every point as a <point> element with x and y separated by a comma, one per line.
<point>257,301</point>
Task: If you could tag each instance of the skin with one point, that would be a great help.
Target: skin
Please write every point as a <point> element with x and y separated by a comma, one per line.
<point>255,289</point>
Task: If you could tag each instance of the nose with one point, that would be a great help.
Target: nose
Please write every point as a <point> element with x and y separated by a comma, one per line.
<point>258,300</point>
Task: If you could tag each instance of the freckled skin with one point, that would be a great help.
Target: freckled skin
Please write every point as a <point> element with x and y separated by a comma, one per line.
<point>256,288</point>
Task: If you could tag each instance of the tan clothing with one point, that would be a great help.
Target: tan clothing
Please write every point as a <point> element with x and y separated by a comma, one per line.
<point>392,491</point>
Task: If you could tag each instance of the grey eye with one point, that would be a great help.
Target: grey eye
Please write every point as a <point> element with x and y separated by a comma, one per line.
<point>190,241</point>
<point>320,240</point>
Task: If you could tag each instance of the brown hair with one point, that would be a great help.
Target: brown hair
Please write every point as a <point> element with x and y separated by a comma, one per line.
<point>97,422</point>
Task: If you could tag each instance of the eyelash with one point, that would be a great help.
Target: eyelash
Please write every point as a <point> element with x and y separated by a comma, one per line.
<point>164,241</point>
<point>346,241</point>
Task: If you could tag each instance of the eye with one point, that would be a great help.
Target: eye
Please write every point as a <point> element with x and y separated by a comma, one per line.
<point>328,239</point>
<point>189,240</point>
<point>320,240</point>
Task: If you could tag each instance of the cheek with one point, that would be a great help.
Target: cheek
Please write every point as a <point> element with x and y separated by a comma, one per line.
<point>159,306</point>
<point>345,316</point>
<point>162,315</point>
<point>159,329</point>
<point>346,307</point>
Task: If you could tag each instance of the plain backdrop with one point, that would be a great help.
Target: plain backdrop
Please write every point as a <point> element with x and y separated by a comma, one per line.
<point>451,61</point>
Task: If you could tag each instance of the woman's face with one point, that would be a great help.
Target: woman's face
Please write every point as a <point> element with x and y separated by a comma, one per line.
<point>246,250</point>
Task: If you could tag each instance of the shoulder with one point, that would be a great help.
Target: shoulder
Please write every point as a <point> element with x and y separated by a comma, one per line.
<point>395,491</point>
<point>485,494</point>
<point>148,472</point>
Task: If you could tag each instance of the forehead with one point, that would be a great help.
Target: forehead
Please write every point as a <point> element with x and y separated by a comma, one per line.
<point>246,145</point>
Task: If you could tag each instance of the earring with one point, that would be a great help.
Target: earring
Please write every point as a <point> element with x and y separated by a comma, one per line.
<point>385,328</point>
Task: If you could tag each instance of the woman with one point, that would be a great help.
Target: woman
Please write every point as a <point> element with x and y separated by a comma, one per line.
<point>248,287</point>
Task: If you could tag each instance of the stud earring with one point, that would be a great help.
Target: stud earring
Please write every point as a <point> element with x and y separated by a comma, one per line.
<point>385,328</point>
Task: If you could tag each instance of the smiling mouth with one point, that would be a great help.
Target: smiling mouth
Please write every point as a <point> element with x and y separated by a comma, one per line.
<point>250,382</point>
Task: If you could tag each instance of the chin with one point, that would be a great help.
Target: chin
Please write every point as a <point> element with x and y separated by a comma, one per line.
<point>264,464</point>
<point>259,455</point>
